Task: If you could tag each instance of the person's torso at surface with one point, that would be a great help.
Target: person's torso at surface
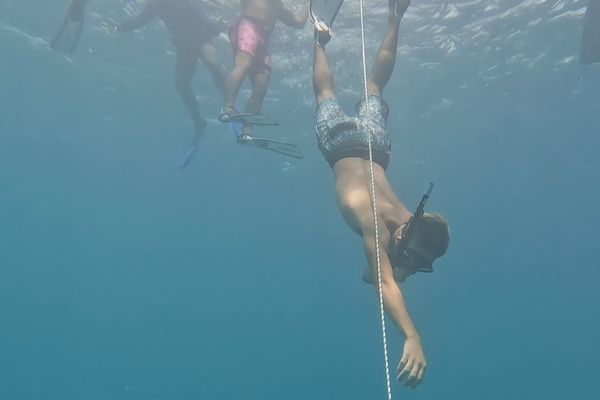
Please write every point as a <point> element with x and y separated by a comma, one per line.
<point>77,10</point>
<point>185,19</point>
<point>264,13</point>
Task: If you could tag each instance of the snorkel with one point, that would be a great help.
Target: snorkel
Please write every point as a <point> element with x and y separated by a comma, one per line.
<point>401,249</point>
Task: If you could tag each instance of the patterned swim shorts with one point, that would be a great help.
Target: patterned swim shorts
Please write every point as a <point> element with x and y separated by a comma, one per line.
<point>340,136</point>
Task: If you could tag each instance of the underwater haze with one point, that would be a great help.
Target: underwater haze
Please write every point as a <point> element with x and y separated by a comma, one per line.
<point>122,277</point>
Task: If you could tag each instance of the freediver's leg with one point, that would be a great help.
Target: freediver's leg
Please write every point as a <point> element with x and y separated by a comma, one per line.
<point>322,75</point>
<point>386,56</point>
<point>260,83</point>
<point>208,55</point>
<point>243,63</point>
<point>185,69</point>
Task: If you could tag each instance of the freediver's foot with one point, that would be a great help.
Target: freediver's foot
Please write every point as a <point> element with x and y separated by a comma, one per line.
<point>246,134</point>
<point>322,33</point>
<point>398,7</point>
<point>243,138</point>
<point>228,113</point>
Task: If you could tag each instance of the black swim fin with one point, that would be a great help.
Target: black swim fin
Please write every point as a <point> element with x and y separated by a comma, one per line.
<point>324,11</point>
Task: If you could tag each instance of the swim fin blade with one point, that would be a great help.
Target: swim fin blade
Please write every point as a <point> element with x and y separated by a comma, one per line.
<point>188,155</point>
<point>252,119</point>
<point>324,11</point>
<point>284,148</point>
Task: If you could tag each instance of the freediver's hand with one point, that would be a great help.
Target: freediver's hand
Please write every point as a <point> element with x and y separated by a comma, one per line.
<point>412,365</point>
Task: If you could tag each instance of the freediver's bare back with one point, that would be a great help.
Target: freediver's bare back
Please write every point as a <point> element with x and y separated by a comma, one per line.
<point>354,195</point>
<point>266,12</point>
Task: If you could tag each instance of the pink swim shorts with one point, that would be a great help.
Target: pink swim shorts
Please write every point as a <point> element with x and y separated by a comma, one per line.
<point>246,36</point>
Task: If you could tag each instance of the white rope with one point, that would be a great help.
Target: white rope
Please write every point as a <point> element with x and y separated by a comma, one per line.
<point>368,131</point>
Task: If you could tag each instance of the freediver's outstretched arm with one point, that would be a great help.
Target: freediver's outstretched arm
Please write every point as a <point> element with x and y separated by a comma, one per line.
<point>412,365</point>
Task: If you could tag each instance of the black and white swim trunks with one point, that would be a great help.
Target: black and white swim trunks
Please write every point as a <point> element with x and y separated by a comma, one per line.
<point>340,136</point>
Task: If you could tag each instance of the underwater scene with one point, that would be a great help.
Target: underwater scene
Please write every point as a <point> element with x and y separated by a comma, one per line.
<point>186,193</point>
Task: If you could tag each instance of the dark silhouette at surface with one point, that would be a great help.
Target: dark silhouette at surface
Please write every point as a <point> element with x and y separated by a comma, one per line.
<point>69,33</point>
<point>191,34</point>
<point>590,43</point>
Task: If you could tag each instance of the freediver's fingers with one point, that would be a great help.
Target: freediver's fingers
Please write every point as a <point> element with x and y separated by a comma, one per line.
<point>405,371</point>
<point>416,375</point>
<point>421,373</point>
<point>401,364</point>
<point>411,380</point>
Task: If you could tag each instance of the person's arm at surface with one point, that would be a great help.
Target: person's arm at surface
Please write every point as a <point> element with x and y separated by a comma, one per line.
<point>289,18</point>
<point>412,364</point>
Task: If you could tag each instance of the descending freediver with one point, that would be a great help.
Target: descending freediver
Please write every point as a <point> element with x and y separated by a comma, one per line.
<point>191,34</point>
<point>69,33</point>
<point>409,242</point>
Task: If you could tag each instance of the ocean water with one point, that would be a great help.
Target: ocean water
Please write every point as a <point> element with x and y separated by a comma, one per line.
<point>123,278</point>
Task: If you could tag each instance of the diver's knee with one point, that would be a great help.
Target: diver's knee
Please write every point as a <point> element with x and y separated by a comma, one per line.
<point>373,88</point>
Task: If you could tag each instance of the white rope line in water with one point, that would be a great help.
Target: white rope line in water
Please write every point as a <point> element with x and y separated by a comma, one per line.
<point>367,129</point>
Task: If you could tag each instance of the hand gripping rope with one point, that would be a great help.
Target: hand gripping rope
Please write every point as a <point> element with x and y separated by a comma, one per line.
<point>368,130</point>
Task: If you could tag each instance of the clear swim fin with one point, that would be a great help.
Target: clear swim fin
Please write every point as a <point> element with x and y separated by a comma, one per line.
<point>284,148</point>
<point>251,119</point>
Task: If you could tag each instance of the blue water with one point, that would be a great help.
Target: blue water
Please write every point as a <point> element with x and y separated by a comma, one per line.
<point>122,278</point>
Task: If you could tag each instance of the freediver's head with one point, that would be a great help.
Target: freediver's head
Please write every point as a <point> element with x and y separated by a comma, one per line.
<point>417,244</point>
